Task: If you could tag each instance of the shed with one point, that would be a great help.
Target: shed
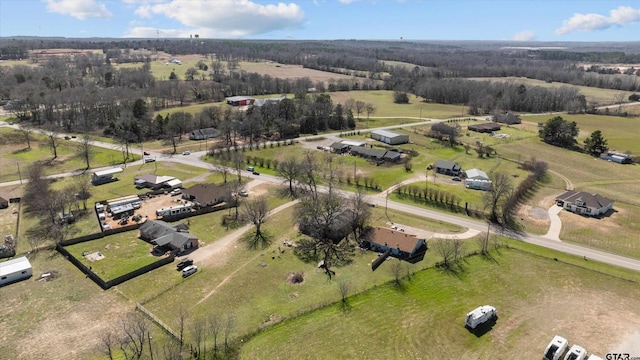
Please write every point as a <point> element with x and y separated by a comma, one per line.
<point>240,100</point>
<point>15,270</point>
<point>339,148</point>
<point>105,176</point>
<point>486,127</point>
<point>202,134</point>
<point>389,137</point>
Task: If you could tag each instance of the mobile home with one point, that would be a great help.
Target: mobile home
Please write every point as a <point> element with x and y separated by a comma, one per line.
<point>15,270</point>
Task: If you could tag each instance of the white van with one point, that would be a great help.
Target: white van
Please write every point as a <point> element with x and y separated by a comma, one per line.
<point>576,352</point>
<point>479,315</point>
<point>189,270</point>
<point>556,348</point>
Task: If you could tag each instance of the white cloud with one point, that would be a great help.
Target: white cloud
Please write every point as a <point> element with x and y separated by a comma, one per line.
<point>225,18</point>
<point>526,35</point>
<point>591,22</point>
<point>80,9</point>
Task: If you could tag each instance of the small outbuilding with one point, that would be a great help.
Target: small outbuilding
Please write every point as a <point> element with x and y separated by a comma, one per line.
<point>477,179</point>
<point>485,127</point>
<point>617,157</point>
<point>202,134</point>
<point>15,270</point>
<point>151,181</point>
<point>105,176</point>
<point>240,100</point>
<point>389,137</point>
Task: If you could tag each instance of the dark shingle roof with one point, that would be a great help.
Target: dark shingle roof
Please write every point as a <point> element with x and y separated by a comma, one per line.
<point>595,201</point>
<point>446,164</point>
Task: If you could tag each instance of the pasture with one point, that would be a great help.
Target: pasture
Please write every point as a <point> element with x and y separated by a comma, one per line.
<point>424,318</point>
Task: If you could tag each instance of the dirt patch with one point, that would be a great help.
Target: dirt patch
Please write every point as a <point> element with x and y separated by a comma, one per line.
<point>295,278</point>
<point>147,209</point>
<point>94,256</point>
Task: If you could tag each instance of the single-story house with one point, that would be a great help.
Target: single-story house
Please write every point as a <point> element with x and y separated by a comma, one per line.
<point>201,134</point>
<point>584,203</point>
<point>339,148</point>
<point>4,203</point>
<point>375,154</point>
<point>447,167</point>
<point>15,270</point>
<point>617,157</point>
<point>402,245</point>
<point>389,137</point>
<point>508,118</point>
<point>151,181</point>
<point>167,236</point>
<point>240,100</point>
<point>486,127</point>
<point>477,179</point>
<point>205,194</point>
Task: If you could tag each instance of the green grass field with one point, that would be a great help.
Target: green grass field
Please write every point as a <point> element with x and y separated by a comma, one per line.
<point>425,317</point>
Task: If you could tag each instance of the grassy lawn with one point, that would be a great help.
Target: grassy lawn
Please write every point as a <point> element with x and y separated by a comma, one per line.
<point>424,318</point>
<point>123,254</point>
<point>16,157</point>
<point>594,95</point>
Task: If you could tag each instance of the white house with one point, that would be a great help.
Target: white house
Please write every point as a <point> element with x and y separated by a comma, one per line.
<point>584,203</point>
<point>15,270</point>
<point>477,179</point>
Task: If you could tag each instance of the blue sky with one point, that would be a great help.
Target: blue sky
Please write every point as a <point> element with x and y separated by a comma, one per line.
<point>542,20</point>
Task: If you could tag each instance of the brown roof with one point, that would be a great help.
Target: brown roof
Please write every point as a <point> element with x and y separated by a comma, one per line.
<point>393,239</point>
<point>206,194</point>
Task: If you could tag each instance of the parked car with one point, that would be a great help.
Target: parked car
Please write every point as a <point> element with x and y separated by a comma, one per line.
<point>256,173</point>
<point>191,269</point>
<point>146,153</point>
<point>149,159</point>
<point>556,348</point>
<point>186,153</point>
<point>243,193</point>
<point>250,169</point>
<point>183,264</point>
<point>10,122</point>
<point>67,137</point>
<point>175,192</point>
<point>455,178</point>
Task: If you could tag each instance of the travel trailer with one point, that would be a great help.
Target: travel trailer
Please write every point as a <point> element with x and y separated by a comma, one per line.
<point>480,315</point>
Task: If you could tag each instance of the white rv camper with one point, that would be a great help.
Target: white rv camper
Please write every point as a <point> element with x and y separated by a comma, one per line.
<point>174,210</point>
<point>480,315</point>
<point>556,348</point>
<point>15,270</point>
<point>576,352</point>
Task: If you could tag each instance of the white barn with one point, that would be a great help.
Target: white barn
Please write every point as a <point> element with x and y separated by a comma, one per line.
<point>389,137</point>
<point>15,270</point>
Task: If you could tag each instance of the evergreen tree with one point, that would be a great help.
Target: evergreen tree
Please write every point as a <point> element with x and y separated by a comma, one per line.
<point>595,144</point>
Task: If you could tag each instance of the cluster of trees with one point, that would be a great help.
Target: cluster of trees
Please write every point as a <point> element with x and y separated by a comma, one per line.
<point>49,205</point>
<point>560,132</point>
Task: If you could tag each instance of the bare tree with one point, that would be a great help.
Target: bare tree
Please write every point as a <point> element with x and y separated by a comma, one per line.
<point>344,287</point>
<point>171,350</point>
<point>396,271</point>
<point>52,141</point>
<point>222,168</point>
<point>82,189</point>
<point>183,314</point>
<point>289,169</point>
<point>26,132</point>
<point>369,109</point>
<point>237,160</point>
<point>108,341</point>
<point>215,325</point>
<point>85,150</point>
<point>501,189</point>
<point>359,106</point>
<point>135,328</point>
<point>308,172</point>
<point>360,213</point>
<point>256,211</point>
<point>228,328</point>
<point>446,249</point>
<point>198,333</point>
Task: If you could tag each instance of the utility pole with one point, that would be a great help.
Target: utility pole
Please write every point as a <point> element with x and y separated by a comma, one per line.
<point>386,202</point>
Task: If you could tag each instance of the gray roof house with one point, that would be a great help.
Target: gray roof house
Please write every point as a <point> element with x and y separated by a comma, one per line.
<point>201,134</point>
<point>508,119</point>
<point>584,203</point>
<point>447,167</point>
<point>165,235</point>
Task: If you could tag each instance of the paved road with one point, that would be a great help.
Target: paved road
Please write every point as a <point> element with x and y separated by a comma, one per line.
<point>472,224</point>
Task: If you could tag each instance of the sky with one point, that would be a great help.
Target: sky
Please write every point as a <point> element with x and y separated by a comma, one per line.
<point>521,20</point>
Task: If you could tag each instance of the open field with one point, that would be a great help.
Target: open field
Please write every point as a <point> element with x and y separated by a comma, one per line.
<point>424,318</point>
<point>594,95</point>
<point>17,157</point>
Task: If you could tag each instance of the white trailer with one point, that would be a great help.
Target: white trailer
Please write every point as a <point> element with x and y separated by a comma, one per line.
<point>480,315</point>
<point>15,270</point>
<point>556,348</point>
<point>105,176</point>
<point>174,210</point>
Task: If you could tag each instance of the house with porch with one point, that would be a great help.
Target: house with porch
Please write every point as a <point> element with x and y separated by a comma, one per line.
<point>584,203</point>
<point>447,167</point>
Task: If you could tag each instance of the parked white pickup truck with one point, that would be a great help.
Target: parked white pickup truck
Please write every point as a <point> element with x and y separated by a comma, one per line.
<point>480,315</point>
